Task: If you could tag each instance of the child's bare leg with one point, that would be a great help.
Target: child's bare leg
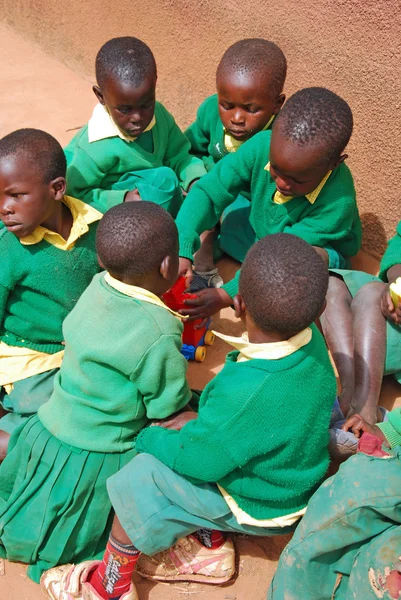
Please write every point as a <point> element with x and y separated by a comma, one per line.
<point>203,259</point>
<point>338,331</point>
<point>370,350</point>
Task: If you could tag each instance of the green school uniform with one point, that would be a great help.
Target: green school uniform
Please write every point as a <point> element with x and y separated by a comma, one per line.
<point>122,367</point>
<point>355,280</point>
<point>331,221</point>
<point>101,172</point>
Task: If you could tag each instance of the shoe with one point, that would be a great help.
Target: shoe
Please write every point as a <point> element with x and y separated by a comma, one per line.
<point>69,582</point>
<point>205,279</point>
<point>188,560</point>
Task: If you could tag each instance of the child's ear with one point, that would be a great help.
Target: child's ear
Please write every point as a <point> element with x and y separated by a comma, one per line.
<point>58,186</point>
<point>100,263</point>
<point>99,94</point>
<point>166,268</point>
<point>342,158</point>
<point>239,306</point>
<point>279,104</point>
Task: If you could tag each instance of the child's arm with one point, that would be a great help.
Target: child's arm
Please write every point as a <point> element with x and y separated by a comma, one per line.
<point>84,181</point>
<point>205,203</point>
<point>177,155</point>
<point>390,271</point>
<point>161,377</point>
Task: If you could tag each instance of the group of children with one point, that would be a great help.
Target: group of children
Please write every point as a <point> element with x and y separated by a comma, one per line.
<point>111,463</point>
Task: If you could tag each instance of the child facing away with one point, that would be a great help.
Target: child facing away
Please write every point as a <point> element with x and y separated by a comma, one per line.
<point>362,328</point>
<point>299,183</point>
<point>249,80</point>
<point>122,367</point>
<point>131,147</point>
<point>48,258</point>
<point>248,462</point>
<point>348,545</point>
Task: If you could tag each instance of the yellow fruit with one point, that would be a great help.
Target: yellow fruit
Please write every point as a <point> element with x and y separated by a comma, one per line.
<point>395,291</point>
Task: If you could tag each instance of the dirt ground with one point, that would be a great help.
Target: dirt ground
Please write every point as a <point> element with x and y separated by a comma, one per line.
<point>37,91</point>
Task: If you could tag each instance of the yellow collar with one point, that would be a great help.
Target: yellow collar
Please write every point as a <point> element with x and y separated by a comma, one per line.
<point>279,198</point>
<point>268,351</point>
<point>82,216</point>
<point>232,144</point>
<point>138,293</point>
<point>102,126</point>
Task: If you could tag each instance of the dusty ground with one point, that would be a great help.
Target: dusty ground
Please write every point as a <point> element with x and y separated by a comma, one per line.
<point>39,92</point>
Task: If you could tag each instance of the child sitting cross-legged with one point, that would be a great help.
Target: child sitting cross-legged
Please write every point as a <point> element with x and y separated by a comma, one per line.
<point>131,147</point>
<point>47,259</point>
<point>248,463</point>
<point>122,367</point>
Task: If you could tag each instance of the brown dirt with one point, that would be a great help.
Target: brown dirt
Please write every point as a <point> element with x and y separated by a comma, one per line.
<point>39,92</point>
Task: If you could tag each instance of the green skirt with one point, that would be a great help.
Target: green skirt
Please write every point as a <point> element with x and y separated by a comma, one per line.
<point>354,280</point>
<point>54,506</point>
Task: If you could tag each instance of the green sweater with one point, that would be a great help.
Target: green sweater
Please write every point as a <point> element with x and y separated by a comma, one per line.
<point>94,168</point>
<point>206,134</point>
<point>392,255</point>
<point>333,220</point>
<point>122,367</point>
<point>261,433</point>
<point>392,427</point>
<point>39,285</point>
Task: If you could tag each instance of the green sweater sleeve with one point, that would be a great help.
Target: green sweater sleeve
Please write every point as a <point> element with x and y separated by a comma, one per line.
<point>4,293</point>
<point>205,203</point>
<point>178,157</point>
<point>392,427</point>
<point>161,377</point>
<point>198,133</point>
<point>84,181</point>
<point>392,255</point>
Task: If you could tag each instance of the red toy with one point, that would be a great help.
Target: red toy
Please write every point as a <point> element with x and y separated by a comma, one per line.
<point>193,340</point>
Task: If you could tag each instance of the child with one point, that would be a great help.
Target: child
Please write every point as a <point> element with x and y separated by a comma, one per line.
<point>248,463</point>
<point>305,188</point>
<point>131,148</point>
<point>361,325</point>
<point>348,545</point>
<point>249,80</point>
<point>48,258</point>
<point>122,367</point>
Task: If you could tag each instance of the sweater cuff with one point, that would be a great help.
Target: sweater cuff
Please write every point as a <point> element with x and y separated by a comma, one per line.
<point>195,171</point>
<point>392,435</point>
<point>231,287</point>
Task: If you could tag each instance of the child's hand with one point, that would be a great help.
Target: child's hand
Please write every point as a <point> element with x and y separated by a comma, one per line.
<point>391,312</point>
<point>358,426</point>
<point>132,196</point>
<point>178,421</point>
<point>185,269</point>
<point>206,304</point>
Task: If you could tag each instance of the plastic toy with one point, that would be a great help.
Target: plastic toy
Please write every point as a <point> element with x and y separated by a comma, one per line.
<point>194,341</point>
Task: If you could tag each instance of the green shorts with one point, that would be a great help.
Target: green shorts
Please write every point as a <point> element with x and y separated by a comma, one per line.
<point>354,280</point>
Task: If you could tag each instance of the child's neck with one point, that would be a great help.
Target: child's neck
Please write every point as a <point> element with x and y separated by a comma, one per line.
<point>256,336</point>
<point>60,221</point>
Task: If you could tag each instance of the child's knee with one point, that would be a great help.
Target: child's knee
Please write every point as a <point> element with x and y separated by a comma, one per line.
<point>369,295</point>
<point>337,291</point>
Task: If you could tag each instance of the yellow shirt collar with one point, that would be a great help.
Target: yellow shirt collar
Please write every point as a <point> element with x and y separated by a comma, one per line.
<point>82,216</point>
<point>138,293</point>
<point>268,351</point>
<point>102,126</point>
<point>279,198</point>
<point>232,144</point>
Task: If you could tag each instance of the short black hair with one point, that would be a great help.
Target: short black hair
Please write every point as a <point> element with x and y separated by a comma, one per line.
<point>133,238</point>
<point>256,56</point>
<point>315,116</point>
<point>125,59</point>
<point>41,150</point>
<point>283,283</point>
